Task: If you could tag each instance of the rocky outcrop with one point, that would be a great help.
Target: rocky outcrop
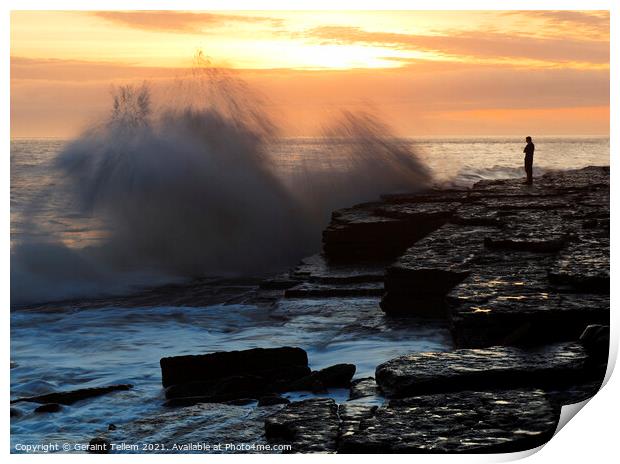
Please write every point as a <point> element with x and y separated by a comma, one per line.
<point>463,422</point>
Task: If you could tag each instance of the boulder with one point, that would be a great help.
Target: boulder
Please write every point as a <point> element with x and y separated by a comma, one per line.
<point>273,365</point>
<point>362,388</point>
<point>99,445</point>
<point>336,376</point>
<point>49,407</point>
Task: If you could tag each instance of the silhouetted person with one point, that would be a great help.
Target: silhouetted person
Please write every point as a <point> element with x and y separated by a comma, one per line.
<point>529,159</point>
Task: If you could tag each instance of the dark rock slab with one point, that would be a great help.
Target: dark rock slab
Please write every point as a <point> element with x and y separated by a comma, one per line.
<point>464,422</point>
<point>272,364</point>
<point>572,394</point>
<point>317,270</point>
<point>359,234</point>
<point>476,214</point>
<point>73,396</point>
<point>535,243</point>
<point>49,407</point>
<point>309,426</point>
<point>209,423</point>
<point>351,416</point>
<point>219,390</point>
<point>509,300</point>
<point>482,369</point>
<point>281,282</point>
<point>428,196</point>
<point>362,388</point>
<point>528,203</point>
<point>336,376</point>
<point>431,268</point>
<point>584,265</point>
<point>313,290</point>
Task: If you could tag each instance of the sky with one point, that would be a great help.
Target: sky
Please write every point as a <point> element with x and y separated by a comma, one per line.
<point>426,73</point>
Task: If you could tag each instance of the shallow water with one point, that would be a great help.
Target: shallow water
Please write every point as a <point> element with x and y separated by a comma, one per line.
<point>78,348</point>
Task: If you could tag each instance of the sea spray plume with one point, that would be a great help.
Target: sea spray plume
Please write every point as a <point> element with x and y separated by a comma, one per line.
<point>191,193</point>
<point>191,190</point>
<point>363,159</point>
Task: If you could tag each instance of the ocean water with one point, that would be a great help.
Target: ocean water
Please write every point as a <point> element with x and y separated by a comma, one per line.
<point>78,344</point>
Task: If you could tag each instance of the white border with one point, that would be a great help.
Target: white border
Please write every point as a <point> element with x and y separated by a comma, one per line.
<point>590,437</point>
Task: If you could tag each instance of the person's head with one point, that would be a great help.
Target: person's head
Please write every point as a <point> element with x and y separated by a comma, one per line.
<point>528,139</point>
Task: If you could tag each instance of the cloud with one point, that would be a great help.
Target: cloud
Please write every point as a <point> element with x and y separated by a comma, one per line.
<point>178,21</point>
<point>585,23</point>
<point>484,45</point>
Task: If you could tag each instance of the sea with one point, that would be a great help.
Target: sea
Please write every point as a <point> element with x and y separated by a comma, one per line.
<point>110,223</point>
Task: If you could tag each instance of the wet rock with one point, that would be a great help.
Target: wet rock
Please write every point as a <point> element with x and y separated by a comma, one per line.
<point>351,415</point>
<point>99,445</point>
<point>427,271</point>
<point>523,317</point>
<point>595,338</point>
<point>49,407</point>
<point>309,426</point>
<point>272,364</point>
<point>336,376</point>
<point>526,242</point>
<point>362,388</point>
<point>428,196</point>
<point>270,400</point>
<point>317,270</point>
<point>359,234</point>
<point>111,427</point>
<point>474,214</point>
<point>312,290</point>
<point>224,389</point>
<point>278,283</point>
<point>584,265</point>
<point>528,203</point>
<point>572,394</point>
<point>70,397</point>
<point>464,422</point>
<point>205,423</point>
<point>491,368</point>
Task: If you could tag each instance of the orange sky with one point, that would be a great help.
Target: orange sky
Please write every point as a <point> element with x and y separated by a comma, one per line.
<point>427,73</point>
